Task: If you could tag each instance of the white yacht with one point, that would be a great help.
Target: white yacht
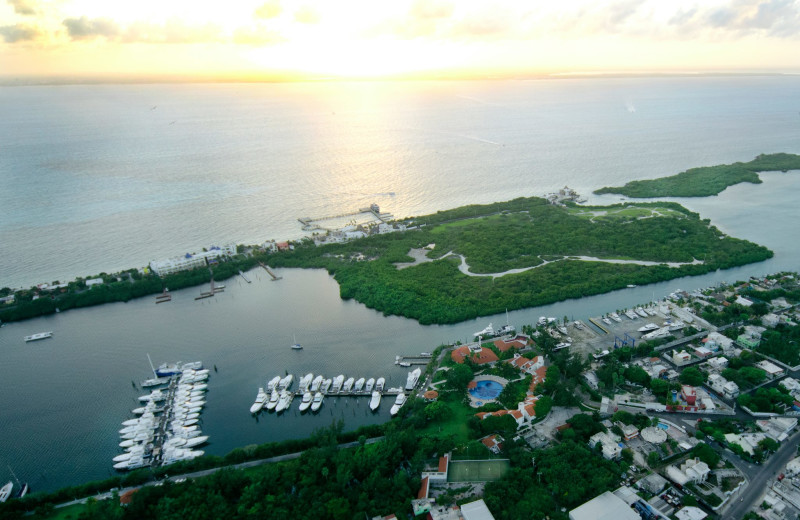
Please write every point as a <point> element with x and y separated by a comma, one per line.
<point>641,312</point>
<point>606,320</point>
<point>317,402</point>
<point>285,401</point>
<point>306,402</point>
<point>348,385</point>
<point>316,383</point>
<point>488,331</point>
<point>648,327</point>
<point>370,385</point>
<point>273,383</point>
<point>615,317</point>
<point>375,402</point>
<point>5,491</point>
<point>398,403</point>
<point>305,382</point>
<point>261,399</point>
<point>380,383</point>
<point>337,384</point>
<point>326,385</point>
<point>359,386</point>
<point>413,378</point>
<point>286,382</point>
<point>38,336</point>
<point>273,400</point>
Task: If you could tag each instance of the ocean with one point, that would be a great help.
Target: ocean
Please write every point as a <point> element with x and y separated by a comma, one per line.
<point>97,178</point>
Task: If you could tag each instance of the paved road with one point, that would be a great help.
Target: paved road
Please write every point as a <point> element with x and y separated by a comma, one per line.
<point>206,472</point>
<point>760,476</point>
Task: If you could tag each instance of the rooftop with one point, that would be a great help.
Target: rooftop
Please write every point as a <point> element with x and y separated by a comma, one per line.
<point>604,507</point>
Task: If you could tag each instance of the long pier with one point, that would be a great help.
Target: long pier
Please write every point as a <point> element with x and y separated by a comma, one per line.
<point>269,271</point>
<point>310,224</point>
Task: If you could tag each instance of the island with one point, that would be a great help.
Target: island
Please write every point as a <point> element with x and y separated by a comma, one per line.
<point>706,180</point>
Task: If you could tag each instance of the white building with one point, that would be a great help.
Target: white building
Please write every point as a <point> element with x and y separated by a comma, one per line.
<point>93,281</point>
<point>693,470</point>
<point>778,428</point>
<point>607,506</point>
<point>190,261</point>
<point>609,444</point>
<point>771,369</point>
<point>681,357</point>
<point>717,364</point>
<point>715,340</point>
<point>770,320</point>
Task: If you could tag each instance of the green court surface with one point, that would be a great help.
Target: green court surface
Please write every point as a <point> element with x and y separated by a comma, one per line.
<point>476,470</point>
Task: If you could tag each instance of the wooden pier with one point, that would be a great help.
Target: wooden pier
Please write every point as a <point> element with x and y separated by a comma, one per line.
<point>310,224</point>
<point>246,279</point>
<point>269,271</point>
<point>164,297</point>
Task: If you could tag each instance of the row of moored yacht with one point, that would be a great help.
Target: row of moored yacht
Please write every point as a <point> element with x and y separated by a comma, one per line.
<point>166,428</point>
<point>277,396</point>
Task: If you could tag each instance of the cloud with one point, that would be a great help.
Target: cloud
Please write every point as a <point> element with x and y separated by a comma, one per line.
<point>84,28</point>
<point>424,18</point>
<point>20,33</point>
<point>173,31</point>
<point>739,18</point>
<point>257,36</point>
<point>270,9</point>
<point>22,7</point>
<point>430,9</point>
<point>306,14</point>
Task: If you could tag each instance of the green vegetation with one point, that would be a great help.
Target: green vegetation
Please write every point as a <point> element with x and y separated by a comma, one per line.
<point>707,180</point>
<point>518,234</point>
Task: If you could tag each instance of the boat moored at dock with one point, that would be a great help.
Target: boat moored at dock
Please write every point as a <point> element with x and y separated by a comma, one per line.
<point>398,403</point>
<point>413,378</point>
<point>375,401</point>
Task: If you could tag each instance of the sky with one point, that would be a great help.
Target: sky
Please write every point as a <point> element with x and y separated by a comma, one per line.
<point>319,39</point>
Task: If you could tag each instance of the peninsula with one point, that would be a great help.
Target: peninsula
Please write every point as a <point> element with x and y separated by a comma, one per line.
<point>707,180</point>
<point>480,260</point>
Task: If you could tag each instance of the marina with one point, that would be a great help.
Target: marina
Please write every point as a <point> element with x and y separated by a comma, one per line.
<point>163,434</point>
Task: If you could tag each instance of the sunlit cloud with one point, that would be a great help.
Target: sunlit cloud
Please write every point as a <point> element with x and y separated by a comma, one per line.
<point>23,7</point>
<point>307,15</point>
<point>20,33</point>
<point>85,28</point>
<point>267,10</point>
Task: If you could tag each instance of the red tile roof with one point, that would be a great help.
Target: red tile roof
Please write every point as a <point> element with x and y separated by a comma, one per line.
<point>443,464</point>
<point>516,414</point>
<point>479,358</point>
<point>423,489</point>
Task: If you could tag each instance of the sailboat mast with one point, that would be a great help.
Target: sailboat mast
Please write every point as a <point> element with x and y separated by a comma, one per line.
<point>151,366</point>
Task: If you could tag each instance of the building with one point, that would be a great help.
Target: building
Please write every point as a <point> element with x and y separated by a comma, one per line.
<point>770,320</point>
<point>690,513</point>
<point>681,357</point>
<point>607,506</point>
<point>716,341</point>
<point>652,483</point>
<point>529,366</point>
<point>692,470</point>
<point>609,444</point>
<point>778,428</point>
<point>722,386</point>
<point>717,364</point>
<point>476,511</point>
<point>629,431</point>
<point>93,281</point>
<point>190,261</point>
<point>476,354</point>
<point>493,443</point>
<point>771,369</point>
<point>689,394</point>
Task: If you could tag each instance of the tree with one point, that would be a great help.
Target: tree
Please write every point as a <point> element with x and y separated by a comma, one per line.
<point>692,376</point>
<point>659,387</point>
<point>653,458</point>
<point>459,376</point>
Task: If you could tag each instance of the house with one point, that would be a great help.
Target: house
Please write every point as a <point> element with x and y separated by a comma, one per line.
<point>529,366</point>
<point>505,345</point>
<point>731,390</point>
<point>629,431</point>
<point>716,341</point>
<point>692,470</point>
<point>771,369</point>
<point>681,357</point>
<point>652,483</point>
<point>770,320</point>
<point>609,444</point>
<point>518,416</point>
<point>476,354</point>
<point>778,428</point>
<point>689,394</point>
<point>743,301</point>
<point>703,352</point>
<point>717,364</point>
<point>493,443</point>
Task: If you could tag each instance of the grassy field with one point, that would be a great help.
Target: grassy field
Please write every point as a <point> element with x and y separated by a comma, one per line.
<point>455,424</point>
<point>476,470</point>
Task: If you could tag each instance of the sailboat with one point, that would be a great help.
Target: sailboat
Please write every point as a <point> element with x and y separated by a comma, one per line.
<point>155,380</point>
<point>296,345</point>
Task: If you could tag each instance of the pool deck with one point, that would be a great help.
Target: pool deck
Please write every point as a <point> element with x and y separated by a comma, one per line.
<point>477,402</point>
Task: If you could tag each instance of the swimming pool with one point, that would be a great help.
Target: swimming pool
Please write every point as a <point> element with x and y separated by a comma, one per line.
<point>486,389</point>
<point>663,426</point>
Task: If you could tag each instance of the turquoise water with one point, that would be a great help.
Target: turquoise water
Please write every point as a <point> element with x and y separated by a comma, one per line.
<point>486,390</point>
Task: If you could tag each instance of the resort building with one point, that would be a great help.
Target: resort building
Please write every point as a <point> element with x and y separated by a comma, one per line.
<point>190,261</point>
<point>476,354</point>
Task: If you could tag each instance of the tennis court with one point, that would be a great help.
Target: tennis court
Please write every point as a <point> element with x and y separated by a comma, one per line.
<point>476,470</point>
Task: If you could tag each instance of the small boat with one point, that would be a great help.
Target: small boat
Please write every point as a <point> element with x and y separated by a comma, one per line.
<point>296,345</point>
<point>404,364</point>
<point>359,385</point>
<point>375,402</point>
<point>380,383</point>
<point>370,385</point>
<point>578,325</point>
<point>24,491</point>
<point>631,285</point>
<point>5,491</point>
<point>38,336</point>
<point>261,400</point>
<point>425,354</point>
<point>348,385</point>
<point>317,402</point>
<point>306,402</point>
<point>398,403</point>
<point>606,320</point>
<point>154,381</point>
